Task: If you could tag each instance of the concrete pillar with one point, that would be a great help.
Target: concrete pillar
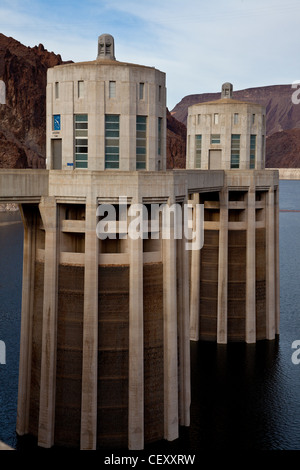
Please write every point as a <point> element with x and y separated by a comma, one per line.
<point>136,346</point>
<point>183,332</point>
<point>250,269</point>
<point>223,269</point>
<point>270,266</point>
<point>195,286</point>
<point>277,272</point>
<point>88,438</point>
<point>170,337</point>
<point>29,244</point>
<point>48,210</point>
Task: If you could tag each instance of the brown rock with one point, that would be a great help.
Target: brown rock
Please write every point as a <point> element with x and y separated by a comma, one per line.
<point>281,112</point>
<point>283,149</point>
<point>22,118</point>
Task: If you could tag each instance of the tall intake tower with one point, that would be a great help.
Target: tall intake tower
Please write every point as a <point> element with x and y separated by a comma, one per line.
<point>107,318</point>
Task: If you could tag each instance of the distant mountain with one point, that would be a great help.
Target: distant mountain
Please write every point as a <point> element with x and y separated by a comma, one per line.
<point>23,117</point>
<point>282,120</point>
<point>281,112</point>
<point>283,149</point>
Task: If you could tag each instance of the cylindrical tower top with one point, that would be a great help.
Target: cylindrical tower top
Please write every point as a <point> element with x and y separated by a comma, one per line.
<point>106,47</point>
<point>226,90</point>
<point>106,114</point>
<point>226,134</point>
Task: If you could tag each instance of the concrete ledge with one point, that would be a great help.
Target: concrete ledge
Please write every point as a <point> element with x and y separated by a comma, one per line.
<point>287,173</point>
<point>5,446</point>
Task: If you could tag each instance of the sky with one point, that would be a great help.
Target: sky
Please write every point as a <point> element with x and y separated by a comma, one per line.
<point>199,44</point>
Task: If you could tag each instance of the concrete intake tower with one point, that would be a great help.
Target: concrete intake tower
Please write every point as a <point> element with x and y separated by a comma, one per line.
<point>107,322</point>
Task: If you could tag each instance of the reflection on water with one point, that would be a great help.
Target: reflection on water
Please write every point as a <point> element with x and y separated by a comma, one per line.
<point>243,396</point>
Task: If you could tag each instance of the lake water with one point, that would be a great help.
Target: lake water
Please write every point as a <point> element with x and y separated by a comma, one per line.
<point>244,397</point>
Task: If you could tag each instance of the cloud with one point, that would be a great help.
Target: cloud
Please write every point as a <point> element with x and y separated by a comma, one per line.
<point>198,44</point>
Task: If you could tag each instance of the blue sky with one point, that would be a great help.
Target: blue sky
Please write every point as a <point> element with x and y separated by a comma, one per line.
<point>199,44</point>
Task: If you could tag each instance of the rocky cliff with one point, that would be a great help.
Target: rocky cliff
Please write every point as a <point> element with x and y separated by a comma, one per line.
<point>283,149</point>
<point>23,127</point>
<point>282,118</point>
<point>22,119</point>
<point>281,112</point>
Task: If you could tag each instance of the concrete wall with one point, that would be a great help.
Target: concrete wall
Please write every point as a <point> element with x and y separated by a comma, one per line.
<point>287,173</point>
<point>201,121</point>
<point>96,102</point>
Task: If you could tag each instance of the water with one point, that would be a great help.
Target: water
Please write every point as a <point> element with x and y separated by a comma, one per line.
<point>244,397</point>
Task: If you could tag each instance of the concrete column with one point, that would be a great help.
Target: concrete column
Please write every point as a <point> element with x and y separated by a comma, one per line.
<point>170,338</point>
<point>29,223</point>
<point>183,331</point>
<point>223,269</point>
<point>88,439</point>
<point>277,272</point>
<point>270,266</point>
<point>195,286</point>
<point>136,346</point>
<point>48,210</point>
<point>250,269</point>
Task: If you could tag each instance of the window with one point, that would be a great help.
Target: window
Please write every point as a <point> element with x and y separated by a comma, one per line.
<point>199,118</point>
<point>235,151</point>
<point>81,141</point>
<point>215,139</point>
<point>159,129</point>
<point>141,142</point>
<point>80,89</point>
<point>159,93</point>
<point>252,151</point>
<point>112,141</point>
<point>141,91</point>
<point>253,118</point>
<point>56,87</point>
<point>236,118</point>
<point>216,118</point>
<point>198,144</point>
<point>112,89</point>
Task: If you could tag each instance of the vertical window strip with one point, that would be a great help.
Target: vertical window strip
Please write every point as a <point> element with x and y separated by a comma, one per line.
<point>56,87</point>
<point>80,88</point>
<point>81,141</point>
<point>235,151</point>
<point>112,141</point>
<point>235,118</point>
<point>252,151</point>
<point>141,91</point>
<point>141,142</point>
<point>198,146</point>
<point>159,135</point>
<point>112,89</point>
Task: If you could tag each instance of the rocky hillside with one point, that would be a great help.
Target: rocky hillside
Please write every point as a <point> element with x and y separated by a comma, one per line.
<point>176,142</point>
<point>22,118</point>
<point>282,118</point>
<point>281,112</point>
<point>23,127</point>
<point>283,149</point>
